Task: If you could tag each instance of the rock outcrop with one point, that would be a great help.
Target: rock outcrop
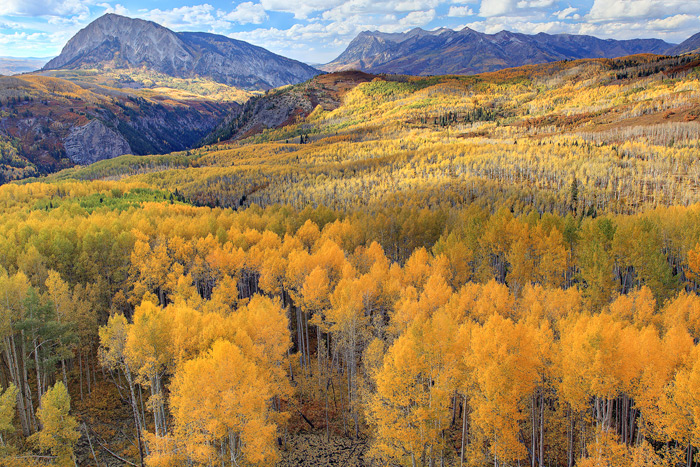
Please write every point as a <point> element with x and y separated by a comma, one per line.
<point>94,142</point>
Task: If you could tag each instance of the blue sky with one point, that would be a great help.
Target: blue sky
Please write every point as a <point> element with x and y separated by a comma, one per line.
<point>316,31</point>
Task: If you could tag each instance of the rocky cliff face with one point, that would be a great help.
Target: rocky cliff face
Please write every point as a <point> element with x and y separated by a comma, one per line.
<point>121,42</point>
<point>445,51</point>
<point>94,142</point>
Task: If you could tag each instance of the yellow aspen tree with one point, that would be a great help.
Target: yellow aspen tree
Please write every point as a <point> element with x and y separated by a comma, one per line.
<point>150,355</point>
<point>683,310</point>
<point>683,406</point>
<point>150,268</point>
<point>503,359</point>
<point>221,408</point>
<point>60,295</point>
<point>113,356</point>
<point>348,323</point>
<point>59,431</point>
<point>8,406</point>
<point>308,233</point>
<point>315,295</point>
<point>397,409</point>
<point>261,330</point>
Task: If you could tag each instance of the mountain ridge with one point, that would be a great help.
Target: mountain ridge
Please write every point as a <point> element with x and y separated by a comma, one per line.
<point>446,51</point>
<point>692,44</point>
<point>122,43</point>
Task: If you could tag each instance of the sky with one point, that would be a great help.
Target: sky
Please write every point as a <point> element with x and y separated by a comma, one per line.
<point>316,31</point>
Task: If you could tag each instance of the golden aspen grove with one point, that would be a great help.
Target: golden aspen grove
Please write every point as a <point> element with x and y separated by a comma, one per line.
<point>490,270</point>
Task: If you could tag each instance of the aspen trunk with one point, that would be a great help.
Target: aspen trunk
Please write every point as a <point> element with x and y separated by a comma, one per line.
<point>533,440</point>
<point>80,372</point>
<point>14,371</point>
<point>464,431</point>
<point>27,389</point>
<point>541,421</point>
<point>135,411</point>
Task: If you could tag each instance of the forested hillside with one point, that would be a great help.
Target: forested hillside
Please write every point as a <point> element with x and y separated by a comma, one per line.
<point>490,270</point>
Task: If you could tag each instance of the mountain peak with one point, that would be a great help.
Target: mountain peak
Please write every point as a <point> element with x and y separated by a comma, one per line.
<point>444,51</point>
<point>121,42</point>
<point>114,20</point>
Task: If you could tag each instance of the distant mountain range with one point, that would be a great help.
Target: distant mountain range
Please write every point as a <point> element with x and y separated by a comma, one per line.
<point>15,66</point>
<point>119,42</point>
<point>445,51</point>
<point>116,42</point>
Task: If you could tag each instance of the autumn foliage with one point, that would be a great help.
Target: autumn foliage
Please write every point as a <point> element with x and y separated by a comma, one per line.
<point>447,299</point>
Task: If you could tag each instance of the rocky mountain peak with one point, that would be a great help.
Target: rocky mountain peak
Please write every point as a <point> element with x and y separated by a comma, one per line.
<point>444,51</point>
<point>120,42</point>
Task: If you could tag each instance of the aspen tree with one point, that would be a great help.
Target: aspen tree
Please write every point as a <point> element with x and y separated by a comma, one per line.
<point>59,431</point>
<point>8,407</point>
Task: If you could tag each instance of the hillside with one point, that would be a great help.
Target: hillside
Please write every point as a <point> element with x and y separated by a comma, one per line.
<point>287,105</point>
<point>114,42</point>
<point>444,51</point>
<point>49,123</point>
<point>513,135</point>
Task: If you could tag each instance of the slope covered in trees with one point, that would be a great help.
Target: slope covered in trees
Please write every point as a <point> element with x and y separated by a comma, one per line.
<point>623,133</point>
<point>447,271</point>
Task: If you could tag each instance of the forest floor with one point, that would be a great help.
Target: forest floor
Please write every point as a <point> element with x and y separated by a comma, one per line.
<point>106,416</point>
<point>311,449</point>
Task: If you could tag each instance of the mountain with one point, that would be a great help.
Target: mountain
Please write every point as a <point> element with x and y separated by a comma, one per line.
<point>445,51</point>
<point>692,44</point>
<point>15,65</point>
<point>118,42</point>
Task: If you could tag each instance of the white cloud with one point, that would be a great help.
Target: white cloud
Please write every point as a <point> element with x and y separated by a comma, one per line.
<point>513,7</point>
<point>43,7</point>
<point>566,13</point>
<point>247,13</point>
<point>460,11</point>
<point>202,17</point>
<point>676,22</point>
<point>118,9</point>
<point>300,8</point>
<point>415,19</point>
<point>414,6</point>
<point>618,10</point>
<point>21,37</point>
